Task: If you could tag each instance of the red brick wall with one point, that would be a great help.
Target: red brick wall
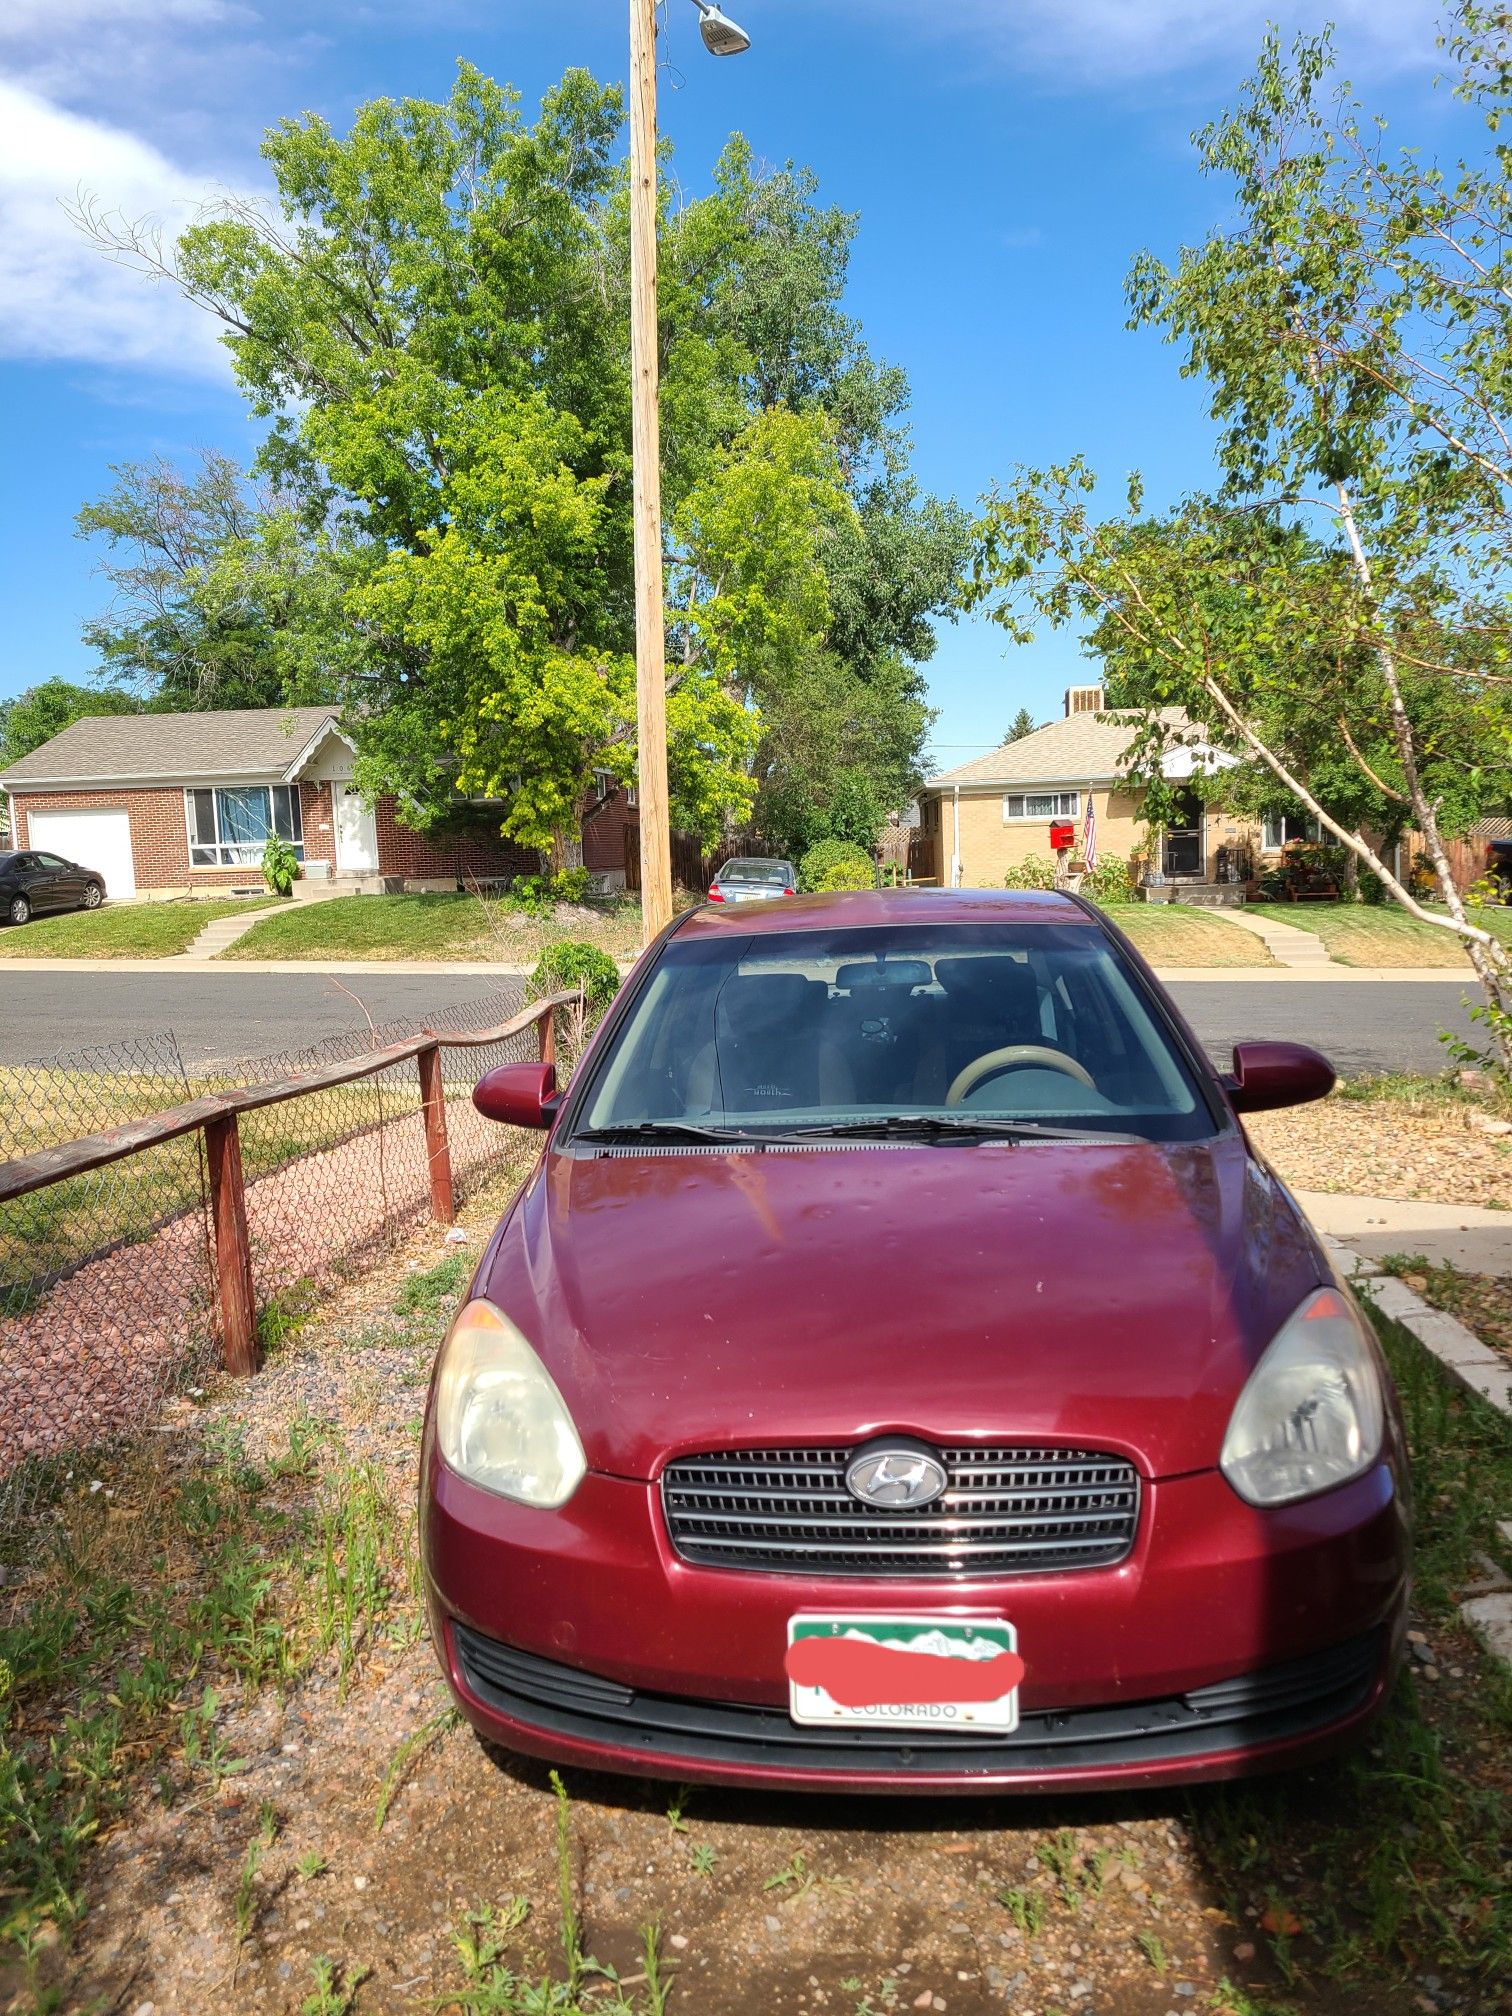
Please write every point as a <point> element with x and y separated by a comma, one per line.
<point>448,856</point>
<point>160,836</point>
<point>604,835</point>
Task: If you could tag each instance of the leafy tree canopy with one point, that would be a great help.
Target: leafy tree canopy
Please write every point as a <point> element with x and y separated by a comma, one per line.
<point>434,321</point>
<point>43,711</point>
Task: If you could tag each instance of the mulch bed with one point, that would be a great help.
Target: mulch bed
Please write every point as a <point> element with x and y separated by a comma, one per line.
<point>1441,1153</point>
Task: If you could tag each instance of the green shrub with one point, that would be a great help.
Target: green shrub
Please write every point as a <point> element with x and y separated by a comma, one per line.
<point>569,885</point>
<point>1035,871</point>
<point>1111,881</point>
<point>280,865</point>
<point>836,857</point>
<point>565,967</point>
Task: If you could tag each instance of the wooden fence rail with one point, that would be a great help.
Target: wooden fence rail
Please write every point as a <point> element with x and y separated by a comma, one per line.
<point>217,1116</point>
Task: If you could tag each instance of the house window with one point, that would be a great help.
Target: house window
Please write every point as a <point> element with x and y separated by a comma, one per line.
<point>229,826</point>
<point>1282,828</point>
<point>604,783</point>
<point>1042,805</point>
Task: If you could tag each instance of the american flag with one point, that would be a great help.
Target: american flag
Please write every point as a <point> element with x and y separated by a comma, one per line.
<point>1089,836</point>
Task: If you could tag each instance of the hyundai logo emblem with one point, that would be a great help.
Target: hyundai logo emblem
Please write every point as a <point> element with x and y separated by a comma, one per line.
<point>895,1476</point>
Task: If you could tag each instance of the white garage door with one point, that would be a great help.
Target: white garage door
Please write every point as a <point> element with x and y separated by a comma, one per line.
<point>97,840</point>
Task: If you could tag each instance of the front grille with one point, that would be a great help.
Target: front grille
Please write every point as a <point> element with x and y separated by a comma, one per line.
<point>1276,1704</point>
<point>1004,1511</point>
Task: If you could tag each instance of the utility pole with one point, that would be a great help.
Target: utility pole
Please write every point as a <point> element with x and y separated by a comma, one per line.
<point>645,364</point>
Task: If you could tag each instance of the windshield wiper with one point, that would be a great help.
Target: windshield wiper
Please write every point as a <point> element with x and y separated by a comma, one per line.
<point>664,1130</point>
<point>941,1126</point>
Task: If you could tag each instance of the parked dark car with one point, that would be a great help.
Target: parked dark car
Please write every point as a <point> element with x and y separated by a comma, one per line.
<point>901,1372</point>
<point>31,883</point>
<point>753,881</point>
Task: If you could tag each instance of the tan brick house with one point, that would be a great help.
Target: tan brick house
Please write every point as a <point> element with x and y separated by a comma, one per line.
<point>161,803</point>
<point>990,814</point>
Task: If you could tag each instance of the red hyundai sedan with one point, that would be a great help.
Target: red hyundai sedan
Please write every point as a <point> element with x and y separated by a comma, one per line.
<point>900,1372</point>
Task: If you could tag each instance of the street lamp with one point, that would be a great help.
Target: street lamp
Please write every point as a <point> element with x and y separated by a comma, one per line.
<point>721,37</point>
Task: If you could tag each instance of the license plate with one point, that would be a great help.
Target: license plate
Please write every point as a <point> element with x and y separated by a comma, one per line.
<point>902,1672</point>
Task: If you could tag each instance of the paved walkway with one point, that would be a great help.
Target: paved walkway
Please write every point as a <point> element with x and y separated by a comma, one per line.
<point>1299,951</point>
<point>1455,1235</point>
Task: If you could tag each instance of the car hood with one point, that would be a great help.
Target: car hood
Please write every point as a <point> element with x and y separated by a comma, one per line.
<point>1113,1296</point>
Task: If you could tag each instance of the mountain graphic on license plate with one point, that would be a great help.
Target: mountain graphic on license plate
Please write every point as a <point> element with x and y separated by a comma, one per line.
<point>904,1672</point>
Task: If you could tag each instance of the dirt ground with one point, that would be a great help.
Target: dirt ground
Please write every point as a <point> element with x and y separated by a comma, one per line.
<point>765,1906</point>
<point>1439,1151</point>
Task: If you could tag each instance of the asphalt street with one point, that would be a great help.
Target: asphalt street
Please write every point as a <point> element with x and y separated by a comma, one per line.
<point>1376,1026</point>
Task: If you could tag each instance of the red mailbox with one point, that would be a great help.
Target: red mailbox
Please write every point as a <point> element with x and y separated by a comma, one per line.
<point>1062,836</point>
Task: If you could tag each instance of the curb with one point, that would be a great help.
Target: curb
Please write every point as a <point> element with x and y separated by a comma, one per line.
<point>1487,1604</point>
<point>1468,1361</point>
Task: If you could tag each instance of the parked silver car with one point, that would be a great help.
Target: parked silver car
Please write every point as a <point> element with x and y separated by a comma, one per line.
<point>753,881</point>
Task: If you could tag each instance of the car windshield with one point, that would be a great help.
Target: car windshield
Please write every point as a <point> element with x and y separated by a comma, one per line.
<point>775,873</point>
<point>939,1028</point>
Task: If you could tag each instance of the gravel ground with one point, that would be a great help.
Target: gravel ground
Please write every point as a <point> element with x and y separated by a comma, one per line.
<point>1441,1153</point>
<point>767,1906</point>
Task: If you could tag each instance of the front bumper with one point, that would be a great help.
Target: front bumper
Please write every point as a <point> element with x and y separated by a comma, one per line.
<point>1230,1641</point>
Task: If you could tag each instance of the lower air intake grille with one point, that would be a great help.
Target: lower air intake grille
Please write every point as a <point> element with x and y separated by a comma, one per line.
<point>1005,1511</point>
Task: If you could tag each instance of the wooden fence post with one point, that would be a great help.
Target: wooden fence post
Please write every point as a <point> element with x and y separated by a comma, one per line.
<point>437,1147</point>
<point>546,1035</point>
<point>233,1253</point>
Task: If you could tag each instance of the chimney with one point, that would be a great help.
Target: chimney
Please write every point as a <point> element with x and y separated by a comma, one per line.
<point>1084,700</point>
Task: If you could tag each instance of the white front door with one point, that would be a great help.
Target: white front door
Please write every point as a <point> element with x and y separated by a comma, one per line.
<point>356,833</point>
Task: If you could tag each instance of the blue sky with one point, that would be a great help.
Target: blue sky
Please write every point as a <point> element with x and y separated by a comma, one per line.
<point>1007,157</point>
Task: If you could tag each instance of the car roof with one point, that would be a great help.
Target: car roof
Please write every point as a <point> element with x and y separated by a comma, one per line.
<point>900,907</point>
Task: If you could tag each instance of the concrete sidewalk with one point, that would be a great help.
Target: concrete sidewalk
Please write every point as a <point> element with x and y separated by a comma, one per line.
<point>1453,1235</point>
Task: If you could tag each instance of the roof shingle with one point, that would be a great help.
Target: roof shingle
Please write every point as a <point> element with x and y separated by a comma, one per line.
<point>1082,749</point>
<point>118,748</point>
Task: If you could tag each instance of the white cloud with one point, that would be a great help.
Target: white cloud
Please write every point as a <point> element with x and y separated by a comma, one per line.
<point>59,298</point>
<point>1119,41</point>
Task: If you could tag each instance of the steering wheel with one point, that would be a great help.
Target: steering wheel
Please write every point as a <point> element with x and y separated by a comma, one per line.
<point>1014,1058</point>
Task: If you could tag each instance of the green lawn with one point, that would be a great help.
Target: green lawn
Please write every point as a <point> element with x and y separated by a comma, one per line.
<point>1363,934</point>
<point>434,927</point>
<point>1179,934</point>
<point>119,931</point>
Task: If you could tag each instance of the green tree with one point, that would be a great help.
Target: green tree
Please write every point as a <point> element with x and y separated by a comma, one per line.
<point>1021,725</point>
<point>220,595</point>
<point>45,710</point>
<point>435,326</point>
<point>1352,328</point>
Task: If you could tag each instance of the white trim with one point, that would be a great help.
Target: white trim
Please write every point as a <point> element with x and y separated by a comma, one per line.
<point>991,787</point>
<point>1039,818</point>
<point>312,748</point>
<point>237,867</point>
<point>194,780</point>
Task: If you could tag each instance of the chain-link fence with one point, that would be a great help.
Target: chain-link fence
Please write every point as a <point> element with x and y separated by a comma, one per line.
<point>108,1281</point>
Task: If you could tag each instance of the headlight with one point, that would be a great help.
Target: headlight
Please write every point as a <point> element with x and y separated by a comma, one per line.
<point>1312,1413</point>
<point>500,1421</point>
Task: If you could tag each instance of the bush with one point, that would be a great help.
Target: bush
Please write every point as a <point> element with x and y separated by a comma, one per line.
<point>1111,881</point>
<point>832,859</point>
<point>280,866</point>
<point>1035,871</point>
<point>570,965</point>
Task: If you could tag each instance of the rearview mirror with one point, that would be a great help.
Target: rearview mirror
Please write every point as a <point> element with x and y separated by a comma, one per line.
<point>1277,1074</point>
<point>519,1095</point>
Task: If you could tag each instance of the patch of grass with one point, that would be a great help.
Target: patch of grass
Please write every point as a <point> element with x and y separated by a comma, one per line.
<point>335,1990</point>
<point>414,1745</point>
<point>1482,1302</point>
<point>1026,1908</point>
<point>492,1986</point>
<point>1417,1092</point>
<point>120,931</point>
<point>1180,934</point>
<point>1395,1860</point>
<point>139,1613</point>
<point>1380,934</point>
<point>453,929</point>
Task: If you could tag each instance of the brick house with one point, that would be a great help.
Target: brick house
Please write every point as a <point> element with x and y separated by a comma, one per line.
<point>161,803</point>
<point>989,815</point>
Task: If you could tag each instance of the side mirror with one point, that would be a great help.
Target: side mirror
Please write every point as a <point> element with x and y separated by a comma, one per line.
<point>1277,1074</point>
<point>519,1095</point>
